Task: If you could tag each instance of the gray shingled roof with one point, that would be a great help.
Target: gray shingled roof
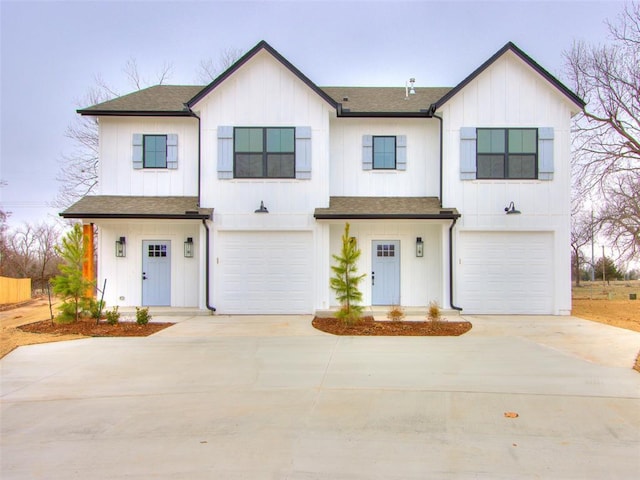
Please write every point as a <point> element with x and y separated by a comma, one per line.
<point>170,99</point>
<point>157,99</point>
<point>385,99</point>
<point>111,206</point>
<point>385,207</point>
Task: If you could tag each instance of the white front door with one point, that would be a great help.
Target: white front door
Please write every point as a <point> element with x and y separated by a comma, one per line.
<point>385,272</point>
<point>156,273</point>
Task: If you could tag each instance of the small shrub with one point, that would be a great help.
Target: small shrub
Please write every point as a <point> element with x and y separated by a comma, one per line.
<point>350,316</point>
<point>113,316</point>
<point>434,315</point>
<point>96,307</point>
<point>395,313</point>
<point>142,315</point>
<point>66,314</point>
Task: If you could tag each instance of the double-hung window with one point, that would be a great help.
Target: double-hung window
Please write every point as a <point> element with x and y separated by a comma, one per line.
<point>507,153</point>
<point>384,153</point>
<point>264,152</point>
<point>155,151</point>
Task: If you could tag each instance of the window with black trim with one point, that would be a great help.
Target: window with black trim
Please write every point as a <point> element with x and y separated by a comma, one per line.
<point>264,152</point>
<point>384,153</point>
<point>507,153</point>
<point>154,151</point>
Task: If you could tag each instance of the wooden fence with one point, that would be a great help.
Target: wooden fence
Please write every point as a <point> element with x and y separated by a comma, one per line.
<point>14,290</point>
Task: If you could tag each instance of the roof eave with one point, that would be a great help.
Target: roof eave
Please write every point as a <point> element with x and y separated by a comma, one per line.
<point>154,216</point>
<point>387,216</point>
<point>134,113</point>
<point>420,114</point>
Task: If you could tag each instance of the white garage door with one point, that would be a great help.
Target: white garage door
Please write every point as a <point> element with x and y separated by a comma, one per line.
<point>504,273</point>
<point>265,272</point>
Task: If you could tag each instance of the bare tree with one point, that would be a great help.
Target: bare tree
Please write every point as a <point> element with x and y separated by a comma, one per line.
<point>607,133</point>
<point>581,235</point>
<point>619,220</point>
<point>208,70</point>
<point>78,175</point>
<point>31,253</point>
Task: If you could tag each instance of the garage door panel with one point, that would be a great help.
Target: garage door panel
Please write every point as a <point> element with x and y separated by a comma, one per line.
<point>265,272</point>
<point>506,272</point>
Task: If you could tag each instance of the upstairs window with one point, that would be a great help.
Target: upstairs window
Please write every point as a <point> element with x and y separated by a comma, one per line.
<point>384,153</point>
<point>264,152</point>
<point>155,151</point>
<point>507,153</point>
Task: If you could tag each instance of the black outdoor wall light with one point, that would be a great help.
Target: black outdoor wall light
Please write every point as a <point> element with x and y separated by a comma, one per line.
<point>121,247</point>
<point>188,247</point>
<point>511,209</point>
<point>262,208</point>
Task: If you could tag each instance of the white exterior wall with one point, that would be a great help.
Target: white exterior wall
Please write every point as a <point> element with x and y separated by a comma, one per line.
<point>124,275</point>
<point>421,178</point>
<point>421,278</point>
<point>117,175</point>
<point>511,94</point>
<point>264,93</point>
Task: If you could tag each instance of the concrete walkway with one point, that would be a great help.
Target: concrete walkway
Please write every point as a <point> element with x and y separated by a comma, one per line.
<point>272,398</point>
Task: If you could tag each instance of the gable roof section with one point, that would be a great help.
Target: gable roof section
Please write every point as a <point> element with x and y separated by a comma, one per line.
<point>159,100</point>
<point>262,45</point>
<point>112,206</point>
<point>510,46</point>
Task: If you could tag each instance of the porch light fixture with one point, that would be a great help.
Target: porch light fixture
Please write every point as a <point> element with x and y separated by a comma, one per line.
<point>511,209</point>
<point>188,247</point>
<point>419,247</point>
<point>262,208</point>
<point>121,247</point>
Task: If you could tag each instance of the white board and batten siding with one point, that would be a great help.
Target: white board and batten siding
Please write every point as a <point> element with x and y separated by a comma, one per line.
<point>506,273</point>
<point>265,272</point>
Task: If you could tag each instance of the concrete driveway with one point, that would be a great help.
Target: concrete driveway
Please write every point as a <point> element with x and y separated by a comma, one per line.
<point>272,398</point>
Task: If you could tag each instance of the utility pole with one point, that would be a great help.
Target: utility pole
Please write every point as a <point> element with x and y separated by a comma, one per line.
<point>603,266</point>
<point>593,262</point>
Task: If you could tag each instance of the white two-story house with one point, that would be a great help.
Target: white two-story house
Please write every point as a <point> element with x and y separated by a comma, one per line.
<point>233,196</point>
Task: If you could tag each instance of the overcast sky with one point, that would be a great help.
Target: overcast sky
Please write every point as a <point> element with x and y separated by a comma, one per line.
<point>51,52</point>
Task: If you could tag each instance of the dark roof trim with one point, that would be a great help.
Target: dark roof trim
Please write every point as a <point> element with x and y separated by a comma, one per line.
<point>524,57</point>
<point>421,114</point>
<point>262,45</point>
<point>134,113</point>
<point>388,216</point>
<point>156,216</point>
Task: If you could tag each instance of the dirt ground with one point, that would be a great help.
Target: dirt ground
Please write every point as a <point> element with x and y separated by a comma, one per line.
<point>34,320</point>
<point>608,303</point>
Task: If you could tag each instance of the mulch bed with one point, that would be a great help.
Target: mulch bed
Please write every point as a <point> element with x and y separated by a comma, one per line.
<point>369,326</point>
<point>88,328</point>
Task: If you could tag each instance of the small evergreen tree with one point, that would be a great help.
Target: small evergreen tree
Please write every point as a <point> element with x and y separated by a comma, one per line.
<point>345,280</point>
<point>70,284</point>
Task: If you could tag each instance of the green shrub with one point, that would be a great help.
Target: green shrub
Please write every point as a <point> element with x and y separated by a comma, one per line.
<point>142,315</point>
<point>113,316</point>
<point>96,307</point>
